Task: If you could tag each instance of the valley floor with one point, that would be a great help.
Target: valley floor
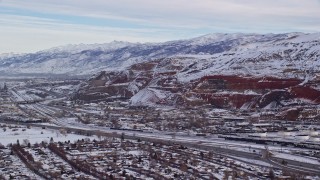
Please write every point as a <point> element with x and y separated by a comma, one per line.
<point>54,137</point>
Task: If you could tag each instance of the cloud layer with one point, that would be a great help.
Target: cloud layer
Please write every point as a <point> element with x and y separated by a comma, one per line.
<point>36,24</point>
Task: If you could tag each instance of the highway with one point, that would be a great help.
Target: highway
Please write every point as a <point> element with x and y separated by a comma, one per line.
<point>231,149</point>
<point>236,154</point>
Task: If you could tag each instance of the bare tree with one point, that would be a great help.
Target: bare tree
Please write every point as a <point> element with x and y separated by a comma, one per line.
<point>26,142</point>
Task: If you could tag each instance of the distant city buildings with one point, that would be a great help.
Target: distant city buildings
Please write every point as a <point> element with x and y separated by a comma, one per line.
<point>3,87</point>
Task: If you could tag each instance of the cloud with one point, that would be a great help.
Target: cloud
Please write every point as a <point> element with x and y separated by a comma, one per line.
<point>145,20</point>
<point>177,12</point>
<point>30,34</point>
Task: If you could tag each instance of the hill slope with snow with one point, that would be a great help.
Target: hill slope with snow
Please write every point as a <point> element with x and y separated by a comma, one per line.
<point>289,54</point>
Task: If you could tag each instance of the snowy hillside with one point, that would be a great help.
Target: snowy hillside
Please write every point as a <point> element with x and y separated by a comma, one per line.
<point>289,54</point>
<point>193,81</point>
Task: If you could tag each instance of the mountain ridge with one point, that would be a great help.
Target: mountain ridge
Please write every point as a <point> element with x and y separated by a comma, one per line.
<point>89,59</point>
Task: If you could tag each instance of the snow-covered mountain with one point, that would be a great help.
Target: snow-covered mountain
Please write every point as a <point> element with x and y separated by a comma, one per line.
<point>225,70</point>
<point>192,81</point>
<point>289,54</point>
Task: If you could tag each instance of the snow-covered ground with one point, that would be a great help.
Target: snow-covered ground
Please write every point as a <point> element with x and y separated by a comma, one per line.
<point>297,158</point>
<point>35,135</point>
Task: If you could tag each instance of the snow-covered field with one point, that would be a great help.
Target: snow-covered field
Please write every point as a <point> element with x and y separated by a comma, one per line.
<point>34,135</point>
<point>297,158</point>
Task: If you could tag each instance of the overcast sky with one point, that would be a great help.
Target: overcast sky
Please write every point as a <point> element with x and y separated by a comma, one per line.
<point>32,25</point>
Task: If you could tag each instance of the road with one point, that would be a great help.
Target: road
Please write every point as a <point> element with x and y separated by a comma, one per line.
<point>220,146</point>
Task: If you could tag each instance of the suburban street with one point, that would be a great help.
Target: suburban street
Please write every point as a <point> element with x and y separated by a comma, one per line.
<point>250,153</point>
